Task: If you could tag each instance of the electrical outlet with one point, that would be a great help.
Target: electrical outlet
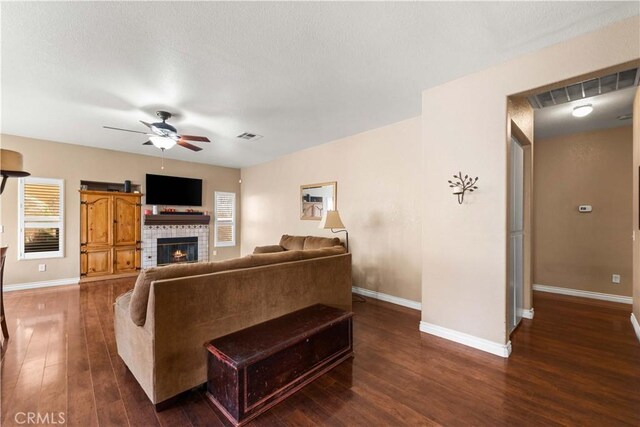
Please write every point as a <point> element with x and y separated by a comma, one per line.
<point>42,267</point>
<point>215,253</point>
<point>615,278</point>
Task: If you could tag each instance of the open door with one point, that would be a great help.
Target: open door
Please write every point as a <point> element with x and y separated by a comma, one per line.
<point>515,299</point>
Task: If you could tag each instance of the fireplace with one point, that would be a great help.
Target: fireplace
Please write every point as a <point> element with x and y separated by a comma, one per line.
<point>174,250</point>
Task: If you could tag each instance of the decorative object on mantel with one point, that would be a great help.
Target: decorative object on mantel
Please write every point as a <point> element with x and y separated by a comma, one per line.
<point>332,220</point>
<point>185,218</point>
<point>10,166</point>
<point>461,185</point>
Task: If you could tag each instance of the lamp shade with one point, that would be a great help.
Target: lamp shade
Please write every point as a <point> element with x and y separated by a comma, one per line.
<point>11,164</point>
<point>331,220</point>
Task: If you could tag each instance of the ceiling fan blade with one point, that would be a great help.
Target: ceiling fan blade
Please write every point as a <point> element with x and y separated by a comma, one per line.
<point>126,130</point>
<point>147,143</point>
<point>195,138</point>
<point>187,145</point>
<point>146,124</point>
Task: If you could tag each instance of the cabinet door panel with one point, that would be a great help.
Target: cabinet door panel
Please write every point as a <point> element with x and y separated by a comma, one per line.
<point>125,260</point>
<point>99,225</point>
<point>126,220</point>
<point>99,262</point>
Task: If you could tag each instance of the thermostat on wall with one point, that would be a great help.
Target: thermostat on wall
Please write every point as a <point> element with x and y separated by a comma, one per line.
<point>584,208</point>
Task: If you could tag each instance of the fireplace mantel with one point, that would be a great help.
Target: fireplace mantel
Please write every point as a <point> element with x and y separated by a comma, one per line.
<point>176,219</point>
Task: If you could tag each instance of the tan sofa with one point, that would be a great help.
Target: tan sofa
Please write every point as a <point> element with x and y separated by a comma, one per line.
<point>163,323</point>
<point>294,243</point>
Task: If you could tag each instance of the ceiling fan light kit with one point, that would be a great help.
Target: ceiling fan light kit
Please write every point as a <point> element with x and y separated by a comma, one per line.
<point>164,136</point>
<point>162,142</point>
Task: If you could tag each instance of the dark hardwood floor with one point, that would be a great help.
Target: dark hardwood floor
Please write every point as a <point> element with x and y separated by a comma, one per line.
<point>577,363</point>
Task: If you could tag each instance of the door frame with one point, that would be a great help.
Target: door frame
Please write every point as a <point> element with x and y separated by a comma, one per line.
<point>526,141</point>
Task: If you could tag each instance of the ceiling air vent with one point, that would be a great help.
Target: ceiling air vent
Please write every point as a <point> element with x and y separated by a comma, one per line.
<point>587,89</point>
<point>249,136</point>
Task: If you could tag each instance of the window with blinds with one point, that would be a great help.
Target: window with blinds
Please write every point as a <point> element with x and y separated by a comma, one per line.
<point>41,218</point>
<point>225,219</point>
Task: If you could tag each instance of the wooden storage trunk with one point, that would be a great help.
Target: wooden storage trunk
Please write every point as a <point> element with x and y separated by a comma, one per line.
<point>251,370</point>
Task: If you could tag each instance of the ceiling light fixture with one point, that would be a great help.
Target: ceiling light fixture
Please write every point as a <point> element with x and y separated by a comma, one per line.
<point>582,110</point>
<point>162,142</point>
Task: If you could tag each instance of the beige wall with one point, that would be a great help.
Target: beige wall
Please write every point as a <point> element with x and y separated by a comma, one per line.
<point>582,251</point>
<point>636,206</point>
<point>74,163</point>
<point>464,128</point>
<point>379,201</point>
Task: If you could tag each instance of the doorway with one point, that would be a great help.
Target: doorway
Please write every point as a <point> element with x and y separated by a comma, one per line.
<point>575,238</point>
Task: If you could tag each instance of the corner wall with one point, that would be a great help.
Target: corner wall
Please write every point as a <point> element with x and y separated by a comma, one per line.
<point>74,163</point>
<point>464,128</point>
<point>378,197</point>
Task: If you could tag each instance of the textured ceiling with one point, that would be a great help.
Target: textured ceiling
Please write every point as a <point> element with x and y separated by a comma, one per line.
<point>558,120</point>
<point>299,73</point>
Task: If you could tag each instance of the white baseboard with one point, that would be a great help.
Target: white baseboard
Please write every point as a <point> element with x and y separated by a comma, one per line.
<point>526,314</point>
<point>43,284</point>
<point>636,325</point>
<point>584,294</point>
<point>388,298</point>
<point>502,350</point>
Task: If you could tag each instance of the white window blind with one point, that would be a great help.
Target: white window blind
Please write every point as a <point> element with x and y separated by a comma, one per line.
<point>41,218</point>
<point>225,219</point>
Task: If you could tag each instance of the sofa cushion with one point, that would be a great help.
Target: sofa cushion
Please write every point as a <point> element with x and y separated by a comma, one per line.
<point>312,242</point>
<point>289,256</point>
<point>268,249</point>
<point>292,243</point>
<point>258,260</point>
<point>317,253</point>
<point>140,295</point>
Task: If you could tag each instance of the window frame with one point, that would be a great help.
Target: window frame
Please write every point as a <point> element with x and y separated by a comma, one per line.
<point>231,221</point>
<point>39,222</point>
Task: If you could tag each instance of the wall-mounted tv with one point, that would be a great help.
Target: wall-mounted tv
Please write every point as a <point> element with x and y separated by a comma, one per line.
<point>173,190</point>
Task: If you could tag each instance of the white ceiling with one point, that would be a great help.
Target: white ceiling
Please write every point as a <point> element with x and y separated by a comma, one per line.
<point>299,73</point>
<point>557,120</point>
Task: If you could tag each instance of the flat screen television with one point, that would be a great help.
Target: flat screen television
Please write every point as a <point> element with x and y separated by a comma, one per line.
<point>173,190</point>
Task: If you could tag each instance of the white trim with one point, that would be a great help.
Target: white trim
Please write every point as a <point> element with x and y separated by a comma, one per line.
<point>40,221</point>
<point>43,284</point>
<point>502,350</point>
<point>526,314</point>
<point>636,325</point>
<point>584,294</point>
<point>388,298</point>
<point>217,221</point>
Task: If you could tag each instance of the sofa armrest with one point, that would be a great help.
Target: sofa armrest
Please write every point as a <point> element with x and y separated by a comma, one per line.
<point>268,249</point>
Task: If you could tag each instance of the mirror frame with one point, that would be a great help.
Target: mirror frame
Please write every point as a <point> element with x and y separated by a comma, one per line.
<point>320,184</point>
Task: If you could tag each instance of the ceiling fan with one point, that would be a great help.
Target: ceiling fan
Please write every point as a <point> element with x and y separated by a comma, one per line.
<point>164,136</point>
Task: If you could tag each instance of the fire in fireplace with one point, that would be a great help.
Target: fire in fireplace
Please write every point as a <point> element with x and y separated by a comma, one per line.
<point>177,249</point>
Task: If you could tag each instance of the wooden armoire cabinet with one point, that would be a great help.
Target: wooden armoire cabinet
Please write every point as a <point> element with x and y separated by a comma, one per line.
<point>109,234</point>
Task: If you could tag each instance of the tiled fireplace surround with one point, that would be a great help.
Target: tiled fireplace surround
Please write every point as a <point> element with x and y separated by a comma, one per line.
<point>151,234</point>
